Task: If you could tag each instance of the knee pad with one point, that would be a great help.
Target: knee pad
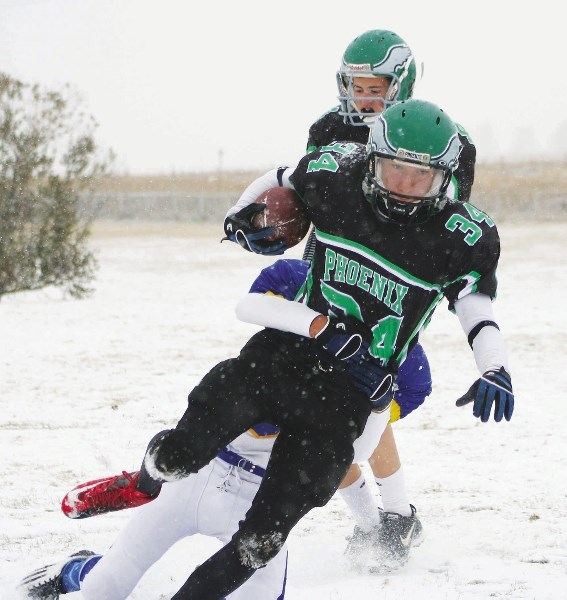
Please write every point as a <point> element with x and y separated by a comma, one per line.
<point>256,550</point>
<point>146,483</point>
<point>167,457</point>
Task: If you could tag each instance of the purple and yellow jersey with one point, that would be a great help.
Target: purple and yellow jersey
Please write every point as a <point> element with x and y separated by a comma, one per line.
<point>413,384</point>
<point>264,430</point>
<point>284,278</point>
<point>255,445</point>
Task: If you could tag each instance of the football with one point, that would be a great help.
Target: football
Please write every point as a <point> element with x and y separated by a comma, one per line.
<point>284,211</point>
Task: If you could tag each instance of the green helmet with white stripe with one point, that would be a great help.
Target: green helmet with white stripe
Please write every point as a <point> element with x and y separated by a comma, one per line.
<point>419,139</point>
<point>375,53</point>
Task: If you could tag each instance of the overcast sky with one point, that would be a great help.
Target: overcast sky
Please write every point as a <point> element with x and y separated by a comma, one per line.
<point>178,85</point>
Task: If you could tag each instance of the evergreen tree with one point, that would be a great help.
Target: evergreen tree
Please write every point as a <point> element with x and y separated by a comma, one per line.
<point>48,160</point>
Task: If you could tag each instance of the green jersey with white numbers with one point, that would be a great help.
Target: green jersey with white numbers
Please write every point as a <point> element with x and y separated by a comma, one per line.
<point>390,276</point>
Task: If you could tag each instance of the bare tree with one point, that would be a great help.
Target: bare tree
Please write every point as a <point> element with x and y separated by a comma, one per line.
<point>48,158</point>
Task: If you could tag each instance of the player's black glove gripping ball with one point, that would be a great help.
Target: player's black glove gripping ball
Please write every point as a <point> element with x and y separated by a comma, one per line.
<point>493,388</point>
<point>238,228</point>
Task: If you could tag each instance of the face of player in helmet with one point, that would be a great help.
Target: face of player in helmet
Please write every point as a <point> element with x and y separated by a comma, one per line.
<point>368,94</point>
<point>407,182</point>
<point>403,191</point>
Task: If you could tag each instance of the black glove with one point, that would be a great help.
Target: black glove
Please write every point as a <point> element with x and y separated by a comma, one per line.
<point>238,228</point>
<point>372,379</point>
<point>348,339</point>
<point>493,387</point>
<point>344,336</point>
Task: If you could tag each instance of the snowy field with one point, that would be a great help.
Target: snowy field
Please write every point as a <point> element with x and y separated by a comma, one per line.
<point>85,384</point>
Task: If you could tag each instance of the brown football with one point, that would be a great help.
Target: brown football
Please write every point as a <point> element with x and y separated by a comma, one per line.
<point>284,211</point>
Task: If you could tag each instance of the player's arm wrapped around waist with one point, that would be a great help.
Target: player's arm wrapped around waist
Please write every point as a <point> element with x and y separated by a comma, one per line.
<point>372,379</point>
<point>341,341</point>
<point>348,339</point>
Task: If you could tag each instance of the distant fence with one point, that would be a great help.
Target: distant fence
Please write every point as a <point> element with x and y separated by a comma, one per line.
<point>526,205</point>
<point>158,206</point>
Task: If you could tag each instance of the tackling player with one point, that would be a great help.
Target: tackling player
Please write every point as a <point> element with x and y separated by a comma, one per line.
<point>210,502</point>
<point>389,247</point>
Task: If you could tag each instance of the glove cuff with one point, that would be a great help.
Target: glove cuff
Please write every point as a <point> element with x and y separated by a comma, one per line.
<point>500,379</point>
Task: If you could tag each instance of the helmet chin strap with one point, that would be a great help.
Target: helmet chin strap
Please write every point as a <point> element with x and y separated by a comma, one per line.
<point>392,207</point>
<point>369,187</point>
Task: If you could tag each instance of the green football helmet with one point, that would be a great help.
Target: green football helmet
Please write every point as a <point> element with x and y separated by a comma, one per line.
<point>413,140</point>
<point>375,53</point>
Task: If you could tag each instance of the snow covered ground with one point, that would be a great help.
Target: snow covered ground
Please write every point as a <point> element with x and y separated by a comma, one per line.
<point>85,384</point>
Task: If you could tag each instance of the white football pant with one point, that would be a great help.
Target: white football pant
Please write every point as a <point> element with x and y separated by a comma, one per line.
<point>211,502</point>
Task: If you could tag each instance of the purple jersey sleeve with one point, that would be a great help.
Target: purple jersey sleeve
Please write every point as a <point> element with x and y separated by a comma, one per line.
<point>284,278</point>
<point>414,383</point>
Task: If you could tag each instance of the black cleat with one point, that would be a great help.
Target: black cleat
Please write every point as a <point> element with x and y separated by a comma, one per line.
<point>396,536</point>
<point>360,543</point>
<point>385,548</point>
<point>46,582</point>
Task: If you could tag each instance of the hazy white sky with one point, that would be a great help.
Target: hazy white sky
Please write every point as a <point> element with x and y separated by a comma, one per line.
<point>181,85</point>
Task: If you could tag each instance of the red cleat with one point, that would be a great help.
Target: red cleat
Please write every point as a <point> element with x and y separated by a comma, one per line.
<point>105,495</point>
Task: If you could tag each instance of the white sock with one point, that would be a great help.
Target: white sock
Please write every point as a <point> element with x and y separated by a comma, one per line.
<point>362,504</point>
<point>394,493</point>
